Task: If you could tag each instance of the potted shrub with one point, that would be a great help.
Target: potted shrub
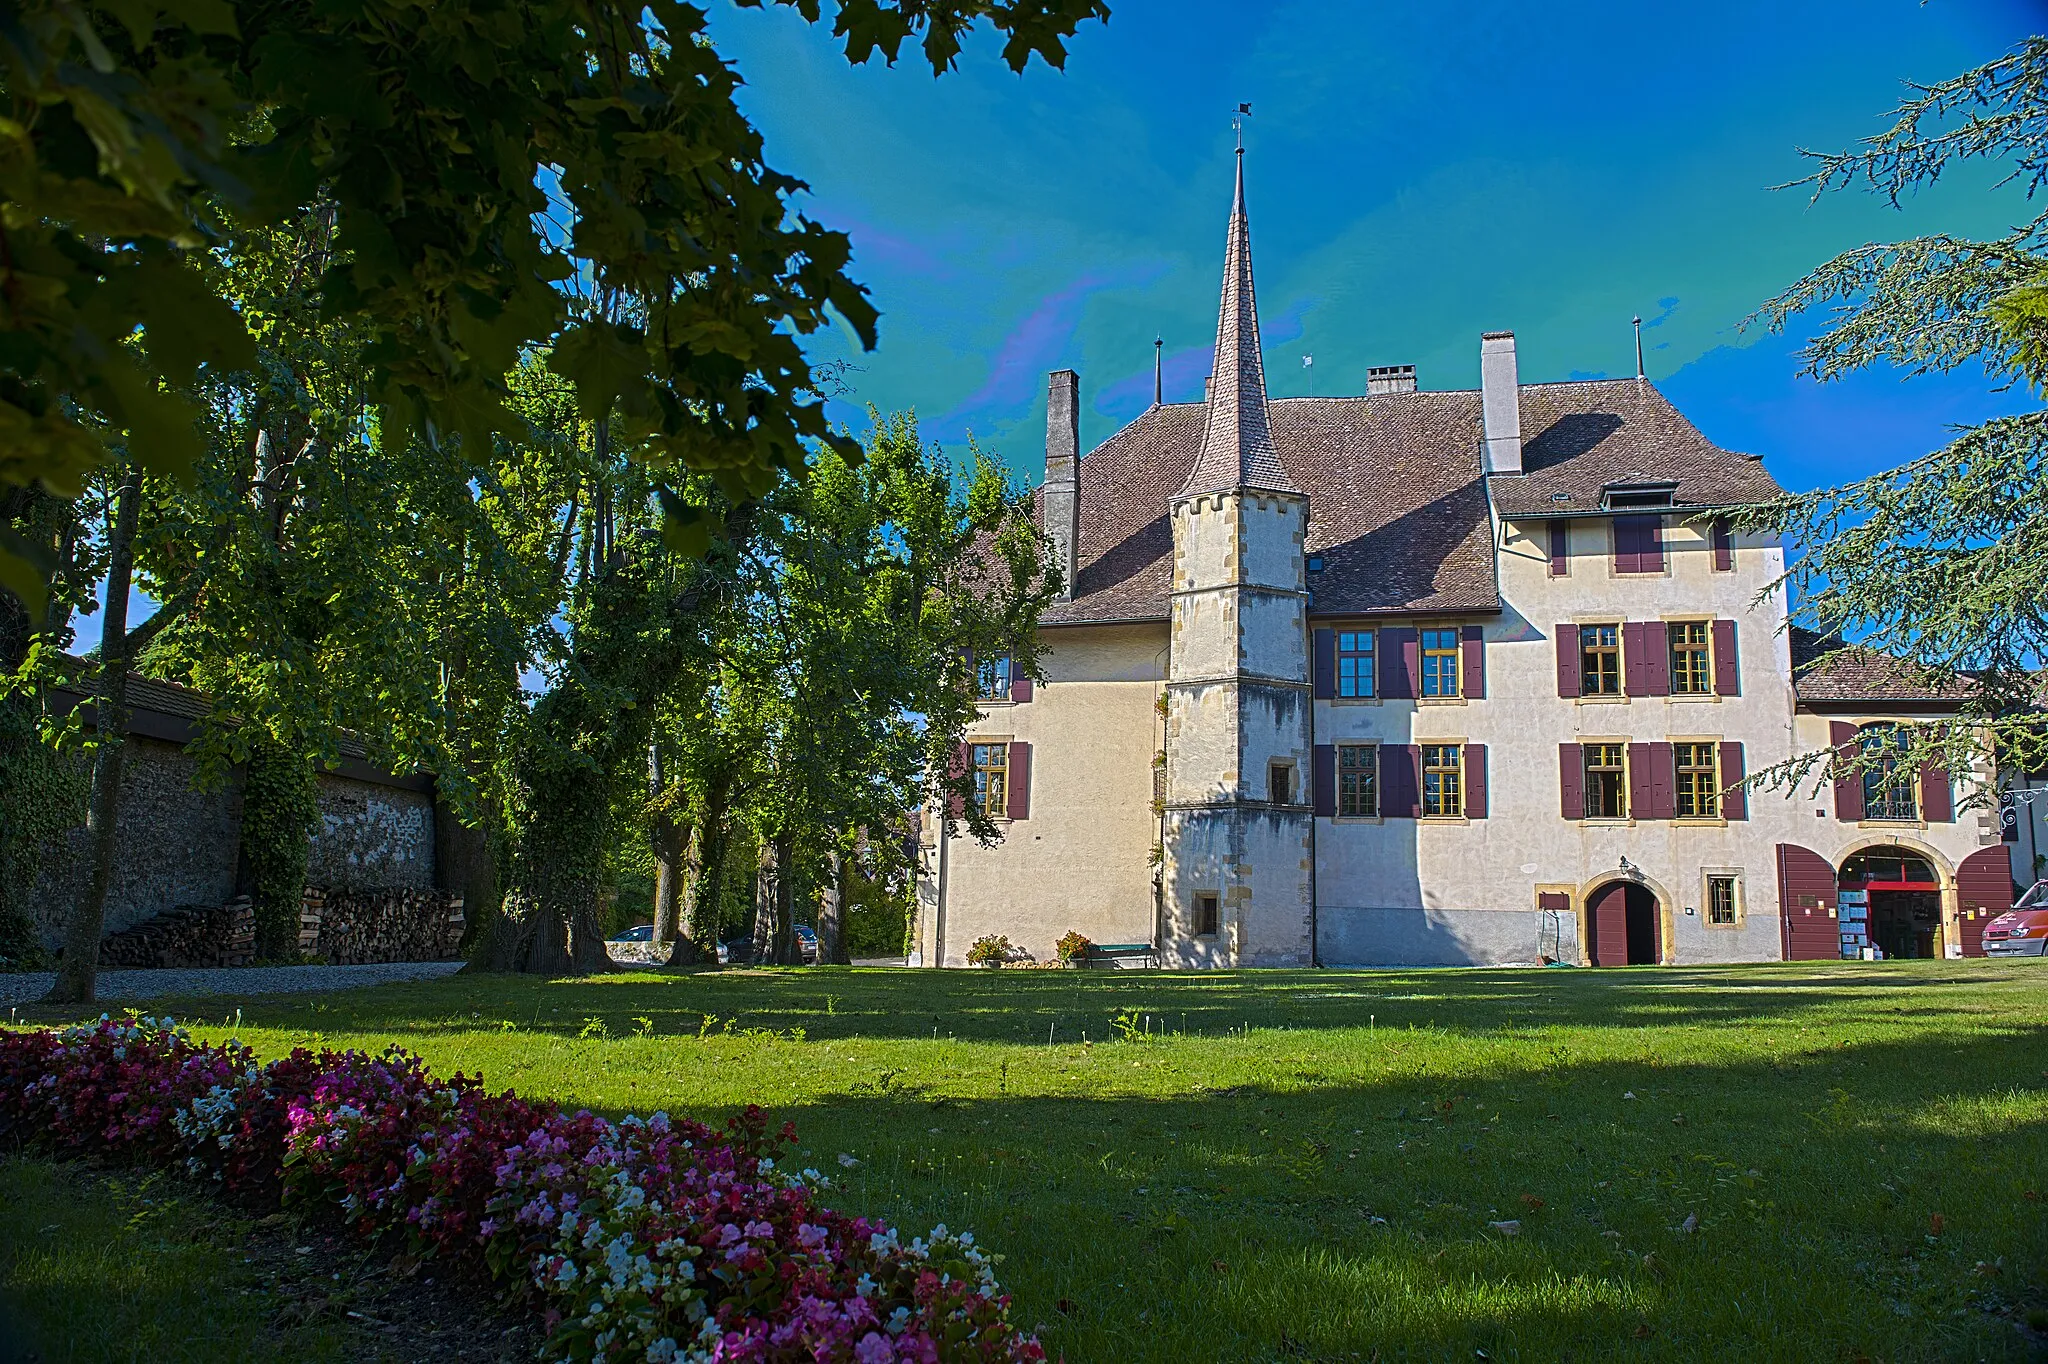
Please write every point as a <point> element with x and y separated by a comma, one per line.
<point>991,951</point>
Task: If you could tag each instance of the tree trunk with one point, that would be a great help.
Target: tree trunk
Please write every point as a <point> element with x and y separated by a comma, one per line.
<point>775,905</point>
<point>706,877</point>
<point>466,864</point>
<point>832,905</point>
<point>670,838</point>
<point>78,974</point>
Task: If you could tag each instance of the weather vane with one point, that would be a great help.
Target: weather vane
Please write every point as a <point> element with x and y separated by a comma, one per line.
<point>1244,111</point>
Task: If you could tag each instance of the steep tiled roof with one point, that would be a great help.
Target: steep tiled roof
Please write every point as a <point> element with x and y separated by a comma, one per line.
<point>1397,503</point>
<point>1237,440</point>
<point>1397,510</point>
<point>1580,436</point>
<point>1827,671</point>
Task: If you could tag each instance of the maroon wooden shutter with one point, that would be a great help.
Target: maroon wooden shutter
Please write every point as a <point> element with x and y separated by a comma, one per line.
<point>1323,780</point>
<point>1650,545</point>
<point>1020,781</point>
<point>1727,672</point>
<point>1560,549</point>
<point>1398,665</point>
<point>1475,781</point>
<point>1642,795</point>
<point>1325,672</point>
<point>1984,890</point>
<point>1724,547</point>
<point>1937,804</point>
<point>963,762</point>
<point>1646,658</point>
<point>1848,785</point>
<point>1806,903</point>
<point>1626,557</point>
<point>1567,659</point>
<point>1473,664</point>
<point>1020,687</point>
<point>1571,781</point>
<point>1734,795</point>
<point>1400,781</point>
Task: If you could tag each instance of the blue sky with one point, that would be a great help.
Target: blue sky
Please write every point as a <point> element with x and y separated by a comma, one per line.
<point>1416,175</point>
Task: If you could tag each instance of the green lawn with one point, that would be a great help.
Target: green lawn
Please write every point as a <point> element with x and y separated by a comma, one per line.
<point>1800,1162</point>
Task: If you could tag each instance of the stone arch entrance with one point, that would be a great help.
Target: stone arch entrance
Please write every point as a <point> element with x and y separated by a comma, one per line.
<point>1624,925</point>
<point>1889,900</point>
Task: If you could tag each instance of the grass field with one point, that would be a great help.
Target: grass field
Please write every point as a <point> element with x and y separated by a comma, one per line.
<point>1799,1162</point>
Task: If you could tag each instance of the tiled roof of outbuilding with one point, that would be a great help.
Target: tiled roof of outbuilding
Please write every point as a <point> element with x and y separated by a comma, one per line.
<point>1827,671</point>
<point>1580,436</point>
<point>1397,503</point>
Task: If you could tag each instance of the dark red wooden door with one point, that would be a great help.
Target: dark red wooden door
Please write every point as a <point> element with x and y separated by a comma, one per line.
<point>1806,902</point>
<point>1983,892</point>
<point>1607,925</point>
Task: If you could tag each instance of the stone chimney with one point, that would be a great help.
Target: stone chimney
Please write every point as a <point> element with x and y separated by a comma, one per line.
<point>1389,379</point>
<point>1063,473</point>
<point>1500,402</point>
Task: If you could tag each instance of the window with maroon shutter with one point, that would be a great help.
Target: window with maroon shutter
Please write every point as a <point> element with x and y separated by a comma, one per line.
<point>1357,675</point>
<point>1848,784</point>
<point>1567,637</point>
<point>1443,781</point>
<point>1560,549</point>
<point>1734,795</point>
<point>992,677</point>
<point>1475,781</point>
<point>1325,674</point>
<point>1398,648</point>
<point>1724,547</point>
<point>1937,803</point>
<point>1020,781</point>
<point>1643,653</point>
<point>1323,780</point>
<point>1475,661</point>
<point>1571,781</point>
<point>1696,770</point>
<point>1727,669</point>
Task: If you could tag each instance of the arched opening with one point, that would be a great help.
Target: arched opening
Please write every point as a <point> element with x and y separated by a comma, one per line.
<point>1889,904</point>
<point>1623,926</point>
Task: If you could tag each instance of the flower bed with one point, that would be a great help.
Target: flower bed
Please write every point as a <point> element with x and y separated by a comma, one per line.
<point>642,1239</point>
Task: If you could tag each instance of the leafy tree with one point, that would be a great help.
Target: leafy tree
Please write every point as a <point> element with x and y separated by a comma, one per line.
<point>138,131</point>
<point>1938,564</point>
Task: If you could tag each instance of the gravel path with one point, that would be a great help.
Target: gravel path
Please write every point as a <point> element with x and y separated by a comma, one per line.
<point>123,986</point>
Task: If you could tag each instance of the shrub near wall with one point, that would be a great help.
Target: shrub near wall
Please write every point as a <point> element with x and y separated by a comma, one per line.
<point>638,1240</point>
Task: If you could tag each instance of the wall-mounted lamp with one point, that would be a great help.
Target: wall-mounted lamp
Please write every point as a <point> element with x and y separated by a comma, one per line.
<point>1690,911</point>
<point>1624,863</point>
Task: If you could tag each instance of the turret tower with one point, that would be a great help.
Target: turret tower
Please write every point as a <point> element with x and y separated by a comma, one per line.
<point>1237,829</point>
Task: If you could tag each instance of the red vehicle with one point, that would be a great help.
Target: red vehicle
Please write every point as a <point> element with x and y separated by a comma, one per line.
<point>2022,931</point>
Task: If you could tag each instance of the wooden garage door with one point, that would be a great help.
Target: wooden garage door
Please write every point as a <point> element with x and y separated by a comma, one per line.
<point>1806,905</point>
<point>1983,892</point>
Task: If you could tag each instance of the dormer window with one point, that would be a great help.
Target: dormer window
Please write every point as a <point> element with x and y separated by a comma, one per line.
<point>1315,563</point>
<point>1637,494</point>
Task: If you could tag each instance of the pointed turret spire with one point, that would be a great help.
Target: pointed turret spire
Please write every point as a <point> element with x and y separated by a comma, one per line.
<point>1237,445</point>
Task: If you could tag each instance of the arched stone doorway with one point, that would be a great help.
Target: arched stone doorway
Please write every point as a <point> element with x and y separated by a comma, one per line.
<point>1624,925</point>
<point>1888,898</point>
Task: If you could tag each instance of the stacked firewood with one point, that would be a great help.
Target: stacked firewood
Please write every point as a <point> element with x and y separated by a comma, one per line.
<point>190,935</point>
<point>352,927</point>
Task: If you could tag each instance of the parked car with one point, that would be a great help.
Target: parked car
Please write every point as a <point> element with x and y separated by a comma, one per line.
<point>2021,931</point>
<point>637,933</point>
<point>807,942</point>
<point>736,951</point>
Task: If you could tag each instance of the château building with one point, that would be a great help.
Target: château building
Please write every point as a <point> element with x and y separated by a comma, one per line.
<point>1423,677</point>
